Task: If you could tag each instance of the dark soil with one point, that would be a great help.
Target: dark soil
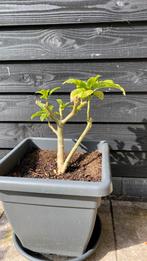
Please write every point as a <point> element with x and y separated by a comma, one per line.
<point>43,164</point>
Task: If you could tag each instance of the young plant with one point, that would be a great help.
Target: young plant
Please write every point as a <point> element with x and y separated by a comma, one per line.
<point>80,97</point>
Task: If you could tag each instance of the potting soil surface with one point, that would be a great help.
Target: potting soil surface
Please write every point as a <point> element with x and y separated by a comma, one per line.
<point>43,164</point>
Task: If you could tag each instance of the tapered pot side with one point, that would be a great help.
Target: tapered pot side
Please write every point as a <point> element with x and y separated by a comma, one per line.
<point>53,216</point>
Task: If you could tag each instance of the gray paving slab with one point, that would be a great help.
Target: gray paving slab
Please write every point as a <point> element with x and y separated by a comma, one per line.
<point>5,238</point>
<point>130,221</point>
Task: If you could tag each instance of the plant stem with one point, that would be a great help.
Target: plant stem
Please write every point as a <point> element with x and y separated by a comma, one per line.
<point>60,148</point>
<point>52,128</point>
<point>72,113</point>
<point>51,115</point>
<point>88,127</point>
<point>61,114</point>
<point>88,109</point>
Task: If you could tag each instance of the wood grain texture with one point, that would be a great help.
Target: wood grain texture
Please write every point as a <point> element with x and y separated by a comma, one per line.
<point>125,137</point>
<point>129,164</point>
<point>24,12</point>
<point>95,42</point>
<point>114,108</point>
<point>29,77</point>
<point>130,189</point>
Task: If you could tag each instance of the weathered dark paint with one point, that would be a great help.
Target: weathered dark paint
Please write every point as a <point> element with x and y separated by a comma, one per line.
<point>72,11</point>
<point>72,42</point>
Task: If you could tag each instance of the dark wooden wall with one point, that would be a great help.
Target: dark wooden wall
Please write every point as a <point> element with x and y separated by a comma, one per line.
<point>44,42</point>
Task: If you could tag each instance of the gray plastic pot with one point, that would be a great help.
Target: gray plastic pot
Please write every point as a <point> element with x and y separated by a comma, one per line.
<point>91,248</point>
<point>52,216</point>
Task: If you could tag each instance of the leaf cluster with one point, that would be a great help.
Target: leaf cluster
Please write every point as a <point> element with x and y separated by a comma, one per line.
<point>79,97</point>
<point>92,87</point>
<point>47,111</point>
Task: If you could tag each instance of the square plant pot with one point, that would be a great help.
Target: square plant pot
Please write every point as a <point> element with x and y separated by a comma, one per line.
<point>52,216</point>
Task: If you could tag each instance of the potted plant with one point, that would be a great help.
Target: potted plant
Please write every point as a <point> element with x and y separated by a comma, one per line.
<point>51,201</point>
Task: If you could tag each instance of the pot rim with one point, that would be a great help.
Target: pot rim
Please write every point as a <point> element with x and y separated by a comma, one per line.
<point>64,187</point>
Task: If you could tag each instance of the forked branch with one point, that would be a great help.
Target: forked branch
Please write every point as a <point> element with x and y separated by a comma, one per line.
<point>80,97</point>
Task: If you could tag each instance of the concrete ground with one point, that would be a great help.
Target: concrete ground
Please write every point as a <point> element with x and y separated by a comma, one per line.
<point>124,234</point>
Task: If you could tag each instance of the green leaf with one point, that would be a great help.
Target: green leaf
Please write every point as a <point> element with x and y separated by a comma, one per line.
<point>99,95</point>
<point>67,104</point>
<point>43,116</point>
<point>78,83</point>
<point>36,114</point>
<point>54,90</point>
<point>62,105</point>
<point>60,102</point>
<point>72,81</point>
<point>86,93</point>
<point>82,85</point>
<point>50,107</point>
<point>80,93</point>
<point>92,80</point>
<point>110,84</point>
<point>40,104</point>
<point>76,93</point>
<point>44,94</point>
<point>56,113</point>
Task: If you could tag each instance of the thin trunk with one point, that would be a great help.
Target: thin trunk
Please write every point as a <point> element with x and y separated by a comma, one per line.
<point>60,149</point>
<point>65,165</point>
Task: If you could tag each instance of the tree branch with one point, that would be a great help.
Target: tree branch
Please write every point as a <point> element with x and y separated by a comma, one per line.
<point>66,162</point>
<point>52,128</point>
<point>51,115</point>
<point>72,113</point>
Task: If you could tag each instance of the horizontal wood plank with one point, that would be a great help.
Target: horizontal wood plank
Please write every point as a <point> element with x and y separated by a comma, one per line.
<point>72,11</point>
<point>129,164</point>
<point>29,77</point>
<point>95,42</point>
<point>130,137</point>
<point>114,108</point>
<point>129,188</point>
